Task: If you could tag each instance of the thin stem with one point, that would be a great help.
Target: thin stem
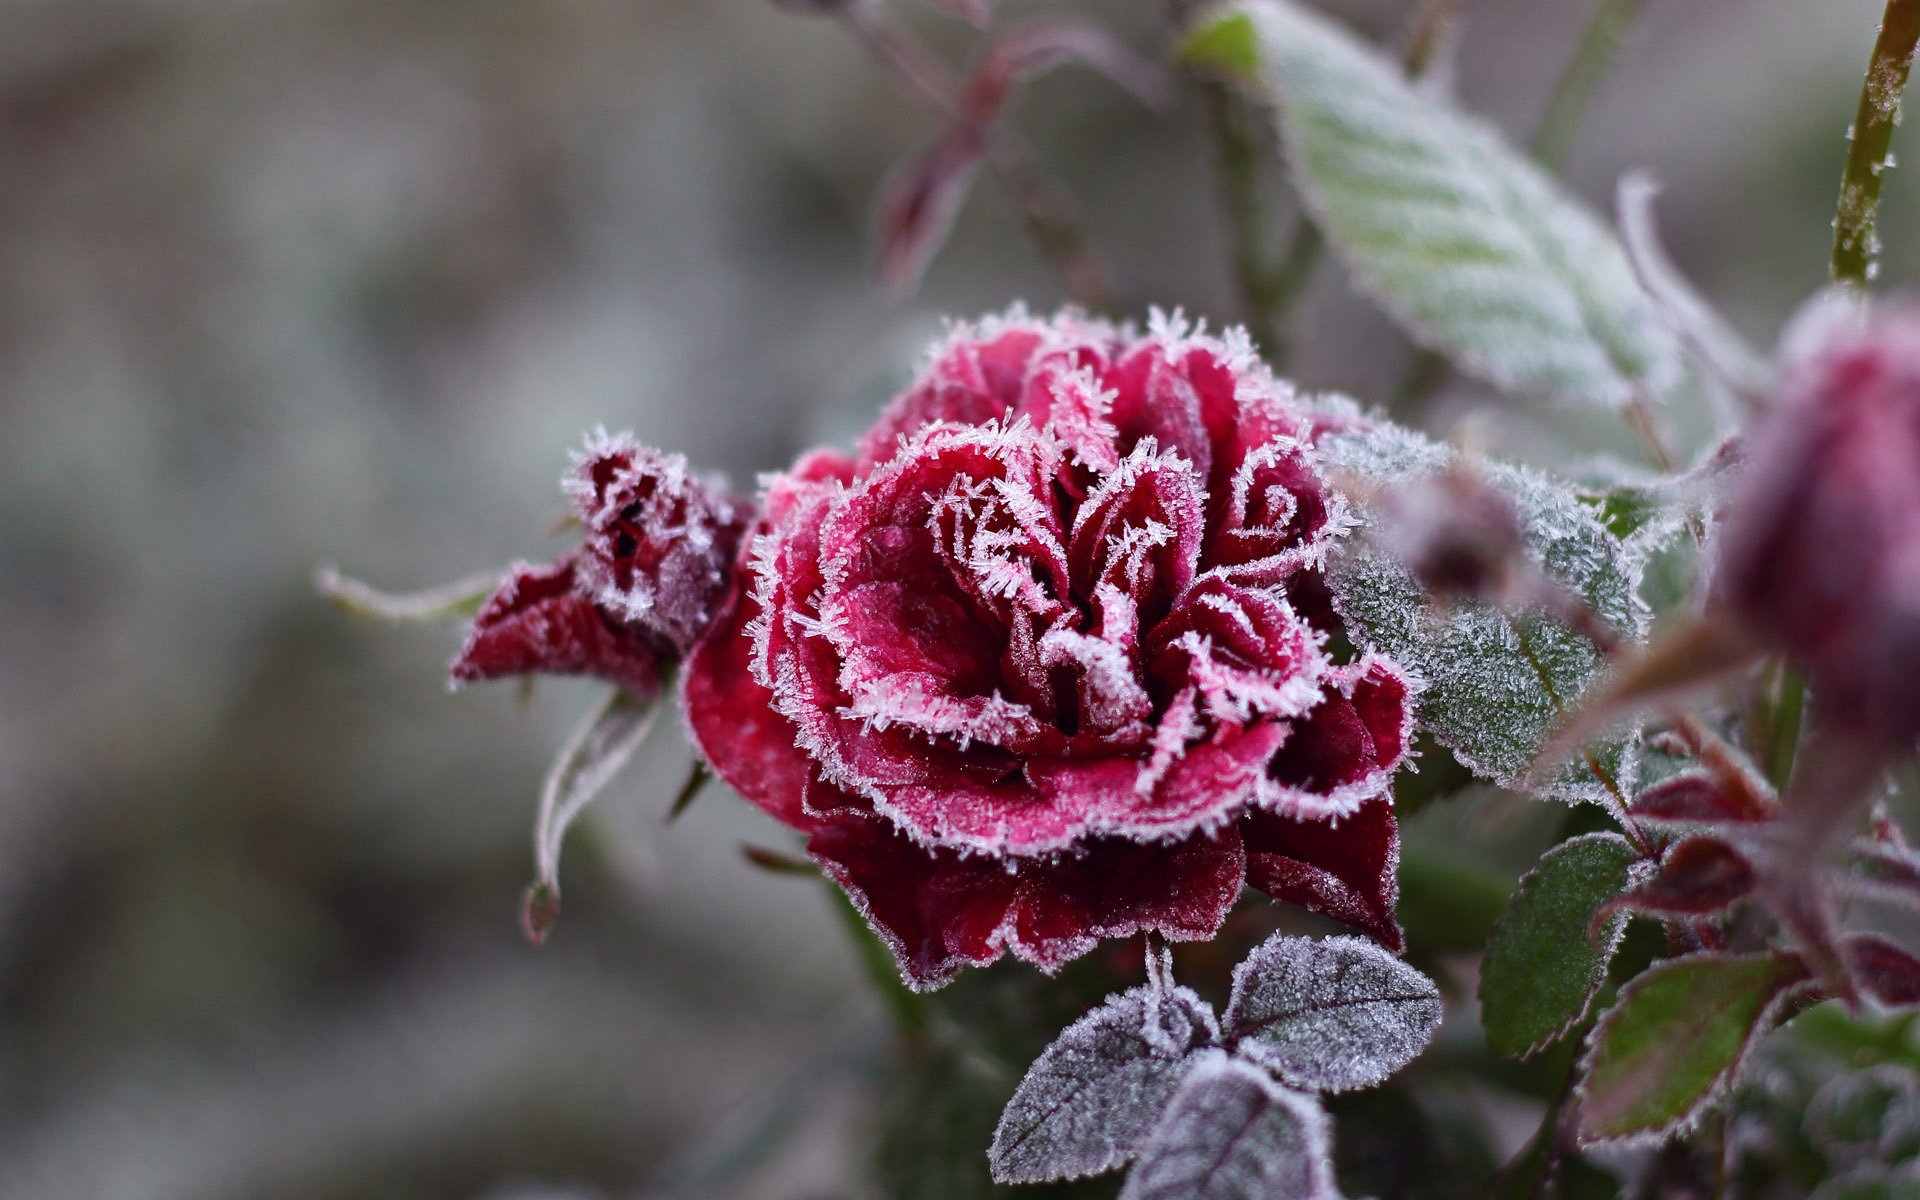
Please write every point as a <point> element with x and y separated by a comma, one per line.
<point>1043,211</point>
<point>907,1008</point>
<point>1580,80</point>
<point>1238,147</point>
<point>1854,242</point>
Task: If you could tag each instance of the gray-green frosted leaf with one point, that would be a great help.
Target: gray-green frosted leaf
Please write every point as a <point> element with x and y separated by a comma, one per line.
<point>1675,1040</point>
<point>1474,249</point>
<point>1232,1133</point>
<point>1089,1100</point>
<point>1330,1014</point>
<point>1541,972</point>
<point>1498,684</point>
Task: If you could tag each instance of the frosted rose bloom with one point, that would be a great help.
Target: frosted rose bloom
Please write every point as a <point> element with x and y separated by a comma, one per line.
<point>1025,666</point>
<point>648,578</point>
<point>1821,553</point>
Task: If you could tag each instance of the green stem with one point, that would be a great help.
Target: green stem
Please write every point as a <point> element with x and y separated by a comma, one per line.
<point>1854,242</point>
<point>1580,80</point>
<point>1239,143</point>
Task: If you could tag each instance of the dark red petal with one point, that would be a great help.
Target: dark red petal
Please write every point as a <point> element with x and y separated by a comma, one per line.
<point>540,622</point>
<point>659,542</point>
<point>975,380</point>
<point>939,911</point>
<point>1118,888</point>
<point>1347,869</point>
<point>1348,748</point>
<point>731,720</point>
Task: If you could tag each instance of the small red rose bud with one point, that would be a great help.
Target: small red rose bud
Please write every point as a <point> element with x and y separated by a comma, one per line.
<point>1820,558</point>
<point>659,542</point>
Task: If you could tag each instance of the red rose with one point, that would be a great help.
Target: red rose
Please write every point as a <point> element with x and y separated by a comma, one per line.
<point>1821,552</point>
<point>654,567</point>
<point>1025,668</point>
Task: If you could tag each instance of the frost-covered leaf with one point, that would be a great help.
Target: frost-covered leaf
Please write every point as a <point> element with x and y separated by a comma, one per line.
<point>1675,1041</point>
<point>1498,684</point>
<point>456,601</point>
<point>1331,1014</point>
<point>1232,1133</point>
<point>594,753</point>
<point>1474,249</point>
<point>1090,1100</point>
<point>1541,971</point>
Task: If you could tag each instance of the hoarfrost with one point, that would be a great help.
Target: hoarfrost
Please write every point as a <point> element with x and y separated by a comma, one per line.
<point>1232,1133</point>
<point>1499,684</point>
<point>1089,1101</point>
<point>1330,1015</point>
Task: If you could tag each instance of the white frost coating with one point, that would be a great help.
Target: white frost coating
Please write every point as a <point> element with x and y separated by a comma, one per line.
<point>1232,1133</point>
<point>594,753</point>
<point>1499,685</point>
<point>1330,1015</point>
<point>1472,247</point>
<point>1091,1098</point>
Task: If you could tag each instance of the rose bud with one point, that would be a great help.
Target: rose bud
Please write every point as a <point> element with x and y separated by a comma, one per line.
<point>1820,557</point>
<point>658,552</point>
<point>1024,669</point>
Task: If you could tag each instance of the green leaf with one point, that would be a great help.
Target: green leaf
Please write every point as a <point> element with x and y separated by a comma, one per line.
<point>1675,1041</point>
<point>1541,972</point>
<point>1498,685</point>
<point>1475,250</point>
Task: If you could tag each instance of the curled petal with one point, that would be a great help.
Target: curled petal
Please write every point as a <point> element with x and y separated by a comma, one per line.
<point>539,621</point>
<point>1344,752</point>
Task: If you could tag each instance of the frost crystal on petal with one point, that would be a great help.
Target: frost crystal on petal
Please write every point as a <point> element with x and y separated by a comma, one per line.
<point>538,620</point>
<point>659,542</point>
<point>1090,1099</point>
<point>1330,1015</point>
<point>1232,1133</point>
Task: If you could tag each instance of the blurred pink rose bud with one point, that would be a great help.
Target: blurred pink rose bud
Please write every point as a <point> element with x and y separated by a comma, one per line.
<point>1461,539</point>
<point>1821,552</point>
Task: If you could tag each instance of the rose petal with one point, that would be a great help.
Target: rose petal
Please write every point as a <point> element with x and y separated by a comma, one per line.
<point>939,911</point>
<point>539,621</point>
<point>1345,868</point>
<point>1346,750</point>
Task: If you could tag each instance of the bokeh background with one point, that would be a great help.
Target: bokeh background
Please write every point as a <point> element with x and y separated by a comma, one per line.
<point>285,282</point>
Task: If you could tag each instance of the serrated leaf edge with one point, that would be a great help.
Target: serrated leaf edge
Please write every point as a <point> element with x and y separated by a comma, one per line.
<point>1637,872</point>
<point>1769,1019</point>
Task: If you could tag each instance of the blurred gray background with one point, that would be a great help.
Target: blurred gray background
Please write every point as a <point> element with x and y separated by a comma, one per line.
<point>292,281</point>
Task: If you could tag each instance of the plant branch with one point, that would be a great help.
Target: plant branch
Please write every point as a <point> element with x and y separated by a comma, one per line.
<point>1855,244</point>
<point>1043,211</point>
<point>1580,79</point>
